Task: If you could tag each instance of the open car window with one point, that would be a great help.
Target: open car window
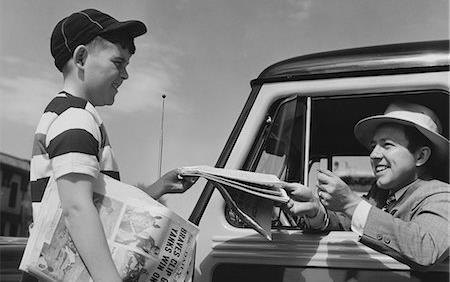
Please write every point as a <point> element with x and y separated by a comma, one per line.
<point>280,145</point>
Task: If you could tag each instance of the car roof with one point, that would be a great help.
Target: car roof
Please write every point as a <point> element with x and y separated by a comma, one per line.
<point>400,58</point>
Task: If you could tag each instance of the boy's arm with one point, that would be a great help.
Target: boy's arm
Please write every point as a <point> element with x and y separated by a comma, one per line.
<point>85,228</point>
<point>171,182</point>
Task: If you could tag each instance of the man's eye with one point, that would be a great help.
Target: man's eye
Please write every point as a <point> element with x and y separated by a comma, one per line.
<point>388,145</point>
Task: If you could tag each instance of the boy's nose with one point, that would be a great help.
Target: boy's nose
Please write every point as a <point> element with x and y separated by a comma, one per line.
<point>124,74</point>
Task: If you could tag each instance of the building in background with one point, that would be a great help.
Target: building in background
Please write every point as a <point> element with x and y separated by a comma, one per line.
<point>15,196</point>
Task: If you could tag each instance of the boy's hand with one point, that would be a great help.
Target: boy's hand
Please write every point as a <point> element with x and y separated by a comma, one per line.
<point>171,182</point>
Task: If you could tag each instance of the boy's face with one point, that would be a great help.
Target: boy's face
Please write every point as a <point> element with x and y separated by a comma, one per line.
<point>105,70</point>
<point>393,164</point>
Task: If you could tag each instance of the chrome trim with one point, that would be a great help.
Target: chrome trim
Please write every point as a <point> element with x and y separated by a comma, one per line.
<point>307,140</point>
<point>337,249</point>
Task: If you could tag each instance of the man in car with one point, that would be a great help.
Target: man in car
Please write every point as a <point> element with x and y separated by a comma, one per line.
<point>406,213</point>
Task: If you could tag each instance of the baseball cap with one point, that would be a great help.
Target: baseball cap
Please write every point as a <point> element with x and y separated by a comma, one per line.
<point>81,27</point>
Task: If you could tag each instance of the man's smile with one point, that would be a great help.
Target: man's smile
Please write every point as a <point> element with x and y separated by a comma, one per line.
<point>380,168</point>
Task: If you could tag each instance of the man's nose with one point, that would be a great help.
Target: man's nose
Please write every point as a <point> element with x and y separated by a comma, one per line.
<point>376,152</point>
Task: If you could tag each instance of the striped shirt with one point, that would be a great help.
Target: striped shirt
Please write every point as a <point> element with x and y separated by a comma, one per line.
<point>70,138</point>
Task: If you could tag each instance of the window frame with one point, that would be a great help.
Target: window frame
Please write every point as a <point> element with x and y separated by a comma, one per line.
<point>252,158</point>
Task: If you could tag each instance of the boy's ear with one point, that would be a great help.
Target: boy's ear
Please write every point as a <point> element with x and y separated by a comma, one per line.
<point>423,154</point>
<point>79,56</point>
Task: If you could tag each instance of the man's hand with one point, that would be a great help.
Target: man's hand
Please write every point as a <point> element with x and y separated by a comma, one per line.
<point>335,194</point>
<point>171,182</point>
<point>303,201</point>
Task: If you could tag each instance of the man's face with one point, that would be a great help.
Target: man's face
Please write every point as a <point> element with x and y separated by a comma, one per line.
<point>105,71</point>
<point>393,164</point>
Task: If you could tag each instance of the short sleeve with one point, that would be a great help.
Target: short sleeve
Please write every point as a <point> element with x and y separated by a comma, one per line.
<point>73,143</point>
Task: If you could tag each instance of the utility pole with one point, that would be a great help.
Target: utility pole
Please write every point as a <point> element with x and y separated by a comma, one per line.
<point>161,140</point>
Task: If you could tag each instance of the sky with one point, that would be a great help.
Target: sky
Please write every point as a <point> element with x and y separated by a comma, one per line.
<point>202,54</point>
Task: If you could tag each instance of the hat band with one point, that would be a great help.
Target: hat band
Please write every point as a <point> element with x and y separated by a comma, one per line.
<point>417,118</point>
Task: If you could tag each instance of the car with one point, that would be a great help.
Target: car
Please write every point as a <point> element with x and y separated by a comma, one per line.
<point>298,117</point>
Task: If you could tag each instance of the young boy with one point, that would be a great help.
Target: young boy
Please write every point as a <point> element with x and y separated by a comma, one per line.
<point>92,50</point>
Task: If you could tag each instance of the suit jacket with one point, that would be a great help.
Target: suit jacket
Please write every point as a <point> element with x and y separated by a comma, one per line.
<point>415,230</point>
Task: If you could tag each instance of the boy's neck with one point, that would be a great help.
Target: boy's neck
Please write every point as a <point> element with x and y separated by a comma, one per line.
<point>74,90</point>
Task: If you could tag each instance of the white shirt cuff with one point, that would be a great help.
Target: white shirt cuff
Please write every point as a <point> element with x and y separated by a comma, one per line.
<point>359,217</point>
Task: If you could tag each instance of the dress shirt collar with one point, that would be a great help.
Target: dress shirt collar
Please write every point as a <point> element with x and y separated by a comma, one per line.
<point>399,193</point>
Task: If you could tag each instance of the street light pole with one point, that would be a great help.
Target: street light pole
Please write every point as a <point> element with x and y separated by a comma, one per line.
<point>161,140</point>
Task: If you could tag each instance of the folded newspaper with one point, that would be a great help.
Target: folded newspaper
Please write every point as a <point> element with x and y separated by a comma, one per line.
<point>266,188</point>
<point>148,242</point>
<point>263,185</point>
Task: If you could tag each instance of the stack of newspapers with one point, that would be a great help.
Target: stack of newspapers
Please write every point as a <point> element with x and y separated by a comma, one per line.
<point>147,240</point>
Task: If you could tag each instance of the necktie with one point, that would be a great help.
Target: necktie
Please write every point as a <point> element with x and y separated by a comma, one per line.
<point>389,203</point>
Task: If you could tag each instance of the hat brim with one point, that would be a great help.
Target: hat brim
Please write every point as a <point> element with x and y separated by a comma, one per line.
<point>365,129</point>
<point>132,28</point>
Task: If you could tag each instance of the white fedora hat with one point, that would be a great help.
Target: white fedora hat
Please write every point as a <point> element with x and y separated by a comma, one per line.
<point>418,116</point>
